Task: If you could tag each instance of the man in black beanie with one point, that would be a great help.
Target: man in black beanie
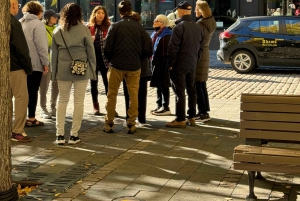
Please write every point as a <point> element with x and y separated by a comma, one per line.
<point>184,51</point>
<point>127,44</point>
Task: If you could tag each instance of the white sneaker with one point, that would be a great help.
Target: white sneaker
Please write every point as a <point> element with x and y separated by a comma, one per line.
<point>45,114</point>
<point>73,140</point>
<point>162,112</point>
<point>138,124</point>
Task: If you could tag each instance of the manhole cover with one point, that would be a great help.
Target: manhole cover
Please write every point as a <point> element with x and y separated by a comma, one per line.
<point>127,199</point>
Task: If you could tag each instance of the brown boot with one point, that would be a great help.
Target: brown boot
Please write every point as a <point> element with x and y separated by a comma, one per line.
<point>96,108</point>
<point>192,122</point>
<point>176,124</point>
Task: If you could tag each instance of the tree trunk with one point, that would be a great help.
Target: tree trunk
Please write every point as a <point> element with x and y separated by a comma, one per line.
<point>5,100</point>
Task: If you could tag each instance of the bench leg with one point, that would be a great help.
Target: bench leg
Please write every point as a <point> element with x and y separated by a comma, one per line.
<point>251,178</point>
<point>259,176</point>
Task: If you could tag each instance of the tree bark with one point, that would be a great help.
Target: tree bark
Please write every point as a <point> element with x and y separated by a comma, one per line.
<point>5,99</point>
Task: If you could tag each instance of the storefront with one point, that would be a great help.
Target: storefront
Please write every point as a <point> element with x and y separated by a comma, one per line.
<point>225,11</point>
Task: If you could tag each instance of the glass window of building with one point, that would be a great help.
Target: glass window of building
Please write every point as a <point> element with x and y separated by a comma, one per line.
<point>149,9</point>
<point>283,7</point>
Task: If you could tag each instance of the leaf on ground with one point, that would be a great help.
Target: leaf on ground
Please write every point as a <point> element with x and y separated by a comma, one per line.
<point>228,198</point>
<point>93,154</point>
<point>78,181</point>
<point>57,194</point>
<point>52,165</point>
<point>24,191</point>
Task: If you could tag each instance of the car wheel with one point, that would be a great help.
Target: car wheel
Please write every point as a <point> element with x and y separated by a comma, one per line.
<point>243,62</point>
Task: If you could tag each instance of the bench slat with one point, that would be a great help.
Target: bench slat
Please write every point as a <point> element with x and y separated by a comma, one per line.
<point>271,126</point>
<point>270,116</point>
<point>267,168</point>
<point>262,98</point>
<point>248,149</point>
<point>270,135</point>
<point>266,159</point>
<point>270,107</point>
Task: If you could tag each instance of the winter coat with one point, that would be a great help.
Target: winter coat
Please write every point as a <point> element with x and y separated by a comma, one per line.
<point>81,47</point>
<point>160,75</point>
<point>186,44</point>
<point>127,44</point>
<point>209,26</point>
<point>19,52</point>
<point>37,41</point>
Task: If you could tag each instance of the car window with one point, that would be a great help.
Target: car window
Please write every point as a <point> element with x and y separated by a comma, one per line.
<point>292,27</point>
<point>269,26</point>
<point>254,26</point>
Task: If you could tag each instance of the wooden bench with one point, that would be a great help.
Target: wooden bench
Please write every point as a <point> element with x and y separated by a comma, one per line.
<point>264,119</point>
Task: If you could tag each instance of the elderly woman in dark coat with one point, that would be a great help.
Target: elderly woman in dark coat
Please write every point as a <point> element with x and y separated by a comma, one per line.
<point>208,23</point>
<point>160,76</point>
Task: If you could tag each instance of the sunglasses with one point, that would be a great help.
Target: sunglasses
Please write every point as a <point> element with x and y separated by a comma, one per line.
<point>157,21</point>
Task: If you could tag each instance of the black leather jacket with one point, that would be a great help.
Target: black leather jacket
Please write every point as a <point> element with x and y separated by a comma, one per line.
<point>186,44</point>
<point>19,52</point>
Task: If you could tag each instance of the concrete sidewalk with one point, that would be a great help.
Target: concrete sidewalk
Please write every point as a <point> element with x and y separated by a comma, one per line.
<point>154,164</point>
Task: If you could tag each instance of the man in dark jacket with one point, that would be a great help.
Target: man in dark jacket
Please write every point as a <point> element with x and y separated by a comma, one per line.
<point>20,67</point>
<point>126,46</point>
<point>184,51</point>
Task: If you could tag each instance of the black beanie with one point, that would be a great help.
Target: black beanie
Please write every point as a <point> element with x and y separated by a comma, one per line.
<point>125,7</point>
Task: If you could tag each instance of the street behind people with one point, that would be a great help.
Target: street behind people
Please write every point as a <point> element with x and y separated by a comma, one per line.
<point>37,41</point>
<point>160,75</point>
<point>126,46</point>
<point>20,67</point>
<point>208,24</point>
<point>50,20</point>
<point>184,51</point>
<point>71,41</point>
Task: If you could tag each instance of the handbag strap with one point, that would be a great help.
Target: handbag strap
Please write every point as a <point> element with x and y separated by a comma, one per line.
<point>66,44</point>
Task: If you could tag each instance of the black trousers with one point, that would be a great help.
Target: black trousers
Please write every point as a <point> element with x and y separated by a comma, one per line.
<point>142,98</point>
<point>163,97</point>
<point>33,85</point>
<point>202,98</point>
<point>184,79</point>
<point>103,70</point>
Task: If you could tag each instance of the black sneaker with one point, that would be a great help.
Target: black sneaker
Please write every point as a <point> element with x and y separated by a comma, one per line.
<point>131,129</point>
<point>155,109</point>
<point>60,140</point>
<point>73,140</point>
<point>20,138</point>
<point>108,128</point>
<point>203,118</point>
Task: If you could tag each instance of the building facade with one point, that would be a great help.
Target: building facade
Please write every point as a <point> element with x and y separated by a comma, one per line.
<point>150,8</point>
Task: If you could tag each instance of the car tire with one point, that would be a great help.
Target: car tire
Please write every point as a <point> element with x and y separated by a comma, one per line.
<point>243,61</point>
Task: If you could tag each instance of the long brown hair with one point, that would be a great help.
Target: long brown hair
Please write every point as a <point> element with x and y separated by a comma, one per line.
<point>70,15</point>
<point>204,7</point>
<point>105,23</point>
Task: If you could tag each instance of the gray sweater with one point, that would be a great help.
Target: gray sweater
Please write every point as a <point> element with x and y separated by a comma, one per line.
<point>36,37</point>
<point>81,46</point>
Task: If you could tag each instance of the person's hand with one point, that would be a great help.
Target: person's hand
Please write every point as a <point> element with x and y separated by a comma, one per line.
<point>93,38</point>
<point>46,69</point>
<point>170,68</point>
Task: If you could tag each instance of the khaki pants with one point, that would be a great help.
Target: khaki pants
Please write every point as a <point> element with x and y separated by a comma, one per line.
<point>18,84</point>
<point>115,77</point>
<point>44,90</point>
<point>63,100</point>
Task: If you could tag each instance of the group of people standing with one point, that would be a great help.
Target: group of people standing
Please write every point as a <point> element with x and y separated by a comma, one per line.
<point>121,51</point>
